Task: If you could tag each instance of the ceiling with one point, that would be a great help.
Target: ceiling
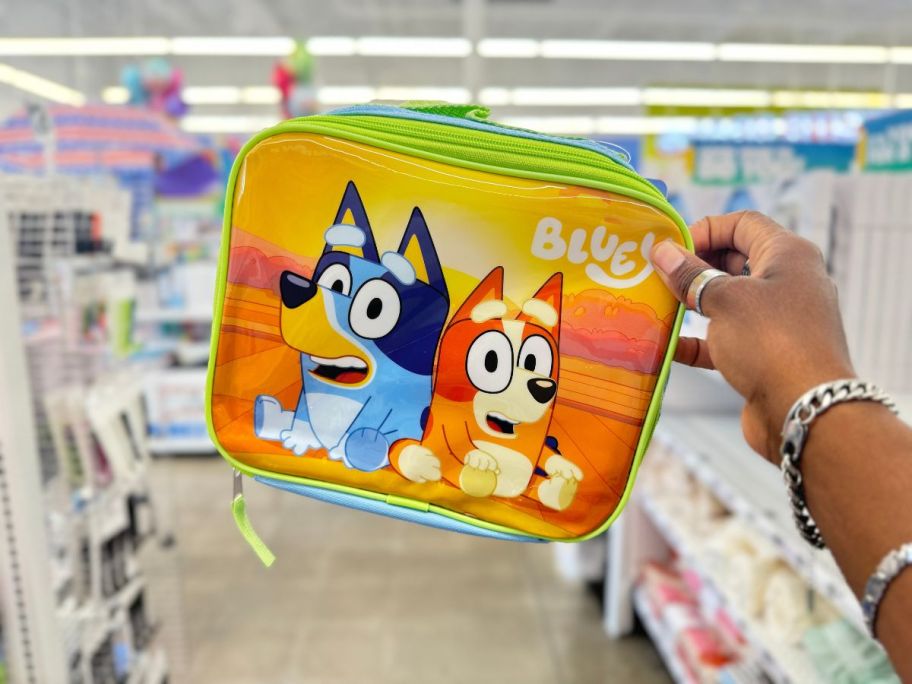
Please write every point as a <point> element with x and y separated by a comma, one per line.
<point>884,22</point>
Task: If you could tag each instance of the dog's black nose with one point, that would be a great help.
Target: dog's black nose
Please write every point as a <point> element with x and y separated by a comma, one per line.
<point>295,289</point>
<point>542,390</point>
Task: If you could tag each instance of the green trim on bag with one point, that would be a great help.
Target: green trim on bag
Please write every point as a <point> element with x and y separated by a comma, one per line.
<point>577,167</point>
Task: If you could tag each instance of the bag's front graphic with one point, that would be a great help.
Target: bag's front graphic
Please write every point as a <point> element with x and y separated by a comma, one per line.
<point>458,334</point>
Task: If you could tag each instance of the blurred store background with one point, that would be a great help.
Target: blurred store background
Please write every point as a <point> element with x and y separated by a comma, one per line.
<point>119,122</point>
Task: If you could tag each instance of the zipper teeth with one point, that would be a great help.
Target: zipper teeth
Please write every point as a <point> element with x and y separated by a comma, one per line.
<point>504,144</point>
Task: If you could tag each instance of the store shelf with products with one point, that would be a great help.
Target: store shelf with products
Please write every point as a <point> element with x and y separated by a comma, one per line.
<point>722,513</point>
<point>712,448</point>
<point>76,503</point>
<point>782,663</point>
<point>660,637</point>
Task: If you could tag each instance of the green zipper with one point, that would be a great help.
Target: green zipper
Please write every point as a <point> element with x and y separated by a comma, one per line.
<point>499,151</point>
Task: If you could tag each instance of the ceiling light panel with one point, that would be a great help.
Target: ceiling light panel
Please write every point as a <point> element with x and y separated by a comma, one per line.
<point>705,97</point>
<point>275,46</point>
<point>627,50</point>
<point>388,46</point>
<point>824,54</point>
<point>42,87</point>
<point>509,47</point>
<point>70,47</point>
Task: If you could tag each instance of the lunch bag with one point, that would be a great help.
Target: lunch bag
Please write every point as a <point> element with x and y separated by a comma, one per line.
<point>425,314</point>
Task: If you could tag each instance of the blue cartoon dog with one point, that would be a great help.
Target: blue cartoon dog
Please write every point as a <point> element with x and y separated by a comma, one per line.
<point>367,327</point>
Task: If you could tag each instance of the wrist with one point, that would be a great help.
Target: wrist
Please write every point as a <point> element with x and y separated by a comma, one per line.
<point>783,393</point>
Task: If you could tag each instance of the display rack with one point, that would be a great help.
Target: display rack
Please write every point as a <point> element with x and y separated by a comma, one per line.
<point>712,448</point>
<point>75,501</point>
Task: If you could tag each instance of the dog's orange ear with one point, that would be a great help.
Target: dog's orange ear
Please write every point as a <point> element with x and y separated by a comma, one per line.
<point>544,308</point>
<point>490,288</point>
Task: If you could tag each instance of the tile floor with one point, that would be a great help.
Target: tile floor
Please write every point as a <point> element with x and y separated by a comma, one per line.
<point>357,598</point>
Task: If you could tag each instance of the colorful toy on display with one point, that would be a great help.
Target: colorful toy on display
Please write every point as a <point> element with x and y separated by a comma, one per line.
<point>155,85</point>
<point>429,316</point>
<point>293,77</point>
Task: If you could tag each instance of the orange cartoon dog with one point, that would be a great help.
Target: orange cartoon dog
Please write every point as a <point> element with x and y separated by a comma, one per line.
<point>494,393</point>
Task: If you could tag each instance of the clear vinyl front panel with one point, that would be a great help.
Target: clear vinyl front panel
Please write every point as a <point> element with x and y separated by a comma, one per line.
<point>481,342</point>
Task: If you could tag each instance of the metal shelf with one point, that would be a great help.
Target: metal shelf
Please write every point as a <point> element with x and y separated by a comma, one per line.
<point>783,663</point>
<point>659,635</point>
<point>712,448</point>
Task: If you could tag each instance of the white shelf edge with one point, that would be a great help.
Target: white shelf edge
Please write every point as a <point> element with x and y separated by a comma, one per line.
<point>769,661</point>
<point>659,635</point>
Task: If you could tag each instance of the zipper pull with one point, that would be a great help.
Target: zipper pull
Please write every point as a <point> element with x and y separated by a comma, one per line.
<point>239,510</point>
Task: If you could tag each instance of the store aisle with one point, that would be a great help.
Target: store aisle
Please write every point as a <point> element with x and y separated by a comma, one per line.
<point>356,598</point>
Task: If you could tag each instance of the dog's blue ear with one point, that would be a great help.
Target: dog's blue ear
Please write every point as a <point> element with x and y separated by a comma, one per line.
<point>352,205</point>
<point>418,247</point>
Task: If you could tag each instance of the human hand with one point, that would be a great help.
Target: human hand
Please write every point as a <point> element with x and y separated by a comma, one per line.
<point>773,335</point>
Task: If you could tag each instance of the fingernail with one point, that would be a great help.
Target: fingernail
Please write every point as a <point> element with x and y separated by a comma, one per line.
<point>667,256</point>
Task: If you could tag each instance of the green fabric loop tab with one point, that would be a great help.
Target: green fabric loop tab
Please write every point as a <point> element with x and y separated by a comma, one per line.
<point>459,111</point>
<point>239,510</point>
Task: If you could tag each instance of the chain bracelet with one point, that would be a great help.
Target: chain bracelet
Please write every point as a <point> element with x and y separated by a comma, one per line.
<point>794,435</point>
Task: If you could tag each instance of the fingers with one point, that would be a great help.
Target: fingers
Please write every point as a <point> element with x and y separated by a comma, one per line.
<point>692,351</point>
<point>727,260</point>
<point>741,231</point>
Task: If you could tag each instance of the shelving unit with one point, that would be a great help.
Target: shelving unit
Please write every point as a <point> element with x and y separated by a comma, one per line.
<point>782,663</point>
<point>73,420</point>
<point>712,448</point>
<point>659,635</point>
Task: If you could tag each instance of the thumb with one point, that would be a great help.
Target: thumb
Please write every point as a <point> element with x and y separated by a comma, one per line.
<point>677,267</point>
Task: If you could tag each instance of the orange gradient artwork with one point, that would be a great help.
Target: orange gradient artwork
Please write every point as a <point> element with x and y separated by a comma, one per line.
<point>483,343</point>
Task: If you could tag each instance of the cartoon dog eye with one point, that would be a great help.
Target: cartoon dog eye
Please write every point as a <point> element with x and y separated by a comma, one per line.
<point>489,362</point>
<point>337,278</point>
<point>536,356</point>
<point>375,309</point>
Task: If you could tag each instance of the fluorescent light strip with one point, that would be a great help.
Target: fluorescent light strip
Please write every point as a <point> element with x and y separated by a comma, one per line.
<point>616,125</point>
<point>705,97</point>
<point>810,99</point>
<point>387,46</point>
<point>509,47</point>
<point>115,95</point>
<point>547,97</point>
<point>50,90</point>
<point>277,46</point>
<point>628,50</point>
<point>207,95</point>
<point>421,46</point>
<point>568,96</point>
<point>824,54</point>
<point>70,47</point>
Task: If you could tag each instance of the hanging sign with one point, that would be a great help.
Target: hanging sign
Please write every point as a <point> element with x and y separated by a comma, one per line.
<point>740,163</point>
<point>886,143</point>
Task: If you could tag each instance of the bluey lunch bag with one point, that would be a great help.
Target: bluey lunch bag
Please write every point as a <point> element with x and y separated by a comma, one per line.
<point>424,314</point>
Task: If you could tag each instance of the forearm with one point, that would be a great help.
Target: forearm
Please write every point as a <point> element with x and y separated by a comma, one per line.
<point>857,469</point>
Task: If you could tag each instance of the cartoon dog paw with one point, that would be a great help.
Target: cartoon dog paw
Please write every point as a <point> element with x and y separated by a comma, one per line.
<point>558,465</point>
<point>419,464</point>
<point>559,489</point>
<point>479,474</point>
<point>557,492</point>
<point>366,449</point>
<point>300,438</point>
<point>270,419</point>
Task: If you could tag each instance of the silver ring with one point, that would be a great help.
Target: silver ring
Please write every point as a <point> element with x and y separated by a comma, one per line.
<point>698,285</point>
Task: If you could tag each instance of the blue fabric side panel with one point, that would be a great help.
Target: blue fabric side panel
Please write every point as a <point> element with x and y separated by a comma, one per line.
<point>614,152</point>
<point>398,512</point>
